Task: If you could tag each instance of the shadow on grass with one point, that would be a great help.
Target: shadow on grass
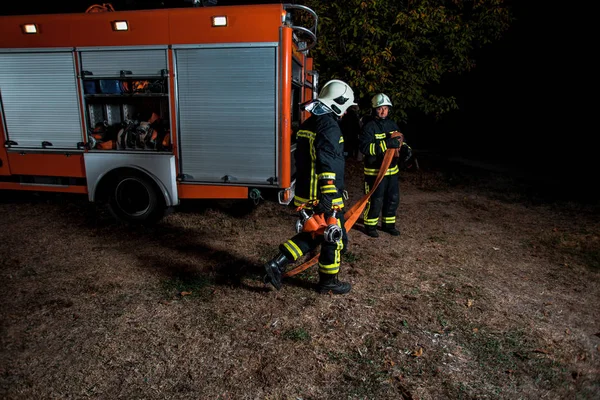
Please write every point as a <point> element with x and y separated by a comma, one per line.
<point>189,265</point>
<point>183,258</point>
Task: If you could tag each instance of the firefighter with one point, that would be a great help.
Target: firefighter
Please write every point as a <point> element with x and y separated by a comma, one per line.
<point>320,167</point>
<point>373,143</point>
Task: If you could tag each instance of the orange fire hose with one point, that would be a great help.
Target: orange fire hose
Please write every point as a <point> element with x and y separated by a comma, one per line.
<point>352,214</point>
<point>95,8</point>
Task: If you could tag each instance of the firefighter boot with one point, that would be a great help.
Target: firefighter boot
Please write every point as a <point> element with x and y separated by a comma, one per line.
<point>275,268</point>
<point>371,231</point>
<point>330,283</point>
<point>391,229</point>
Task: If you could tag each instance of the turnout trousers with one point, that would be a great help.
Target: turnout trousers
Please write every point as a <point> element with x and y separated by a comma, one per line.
<point>384,201</point>
<point>303,243</point>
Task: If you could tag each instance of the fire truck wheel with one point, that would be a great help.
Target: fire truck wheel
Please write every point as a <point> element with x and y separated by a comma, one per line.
<point>134,198</point>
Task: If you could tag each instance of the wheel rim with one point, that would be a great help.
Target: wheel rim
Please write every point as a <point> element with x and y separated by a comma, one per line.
<point>132,197</point>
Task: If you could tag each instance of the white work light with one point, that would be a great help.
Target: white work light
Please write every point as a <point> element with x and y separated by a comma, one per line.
<point>219,20</point>
<point>29,28</point>
<point>120,26</point>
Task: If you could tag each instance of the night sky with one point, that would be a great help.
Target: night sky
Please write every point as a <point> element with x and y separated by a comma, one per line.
<point>514,111</point>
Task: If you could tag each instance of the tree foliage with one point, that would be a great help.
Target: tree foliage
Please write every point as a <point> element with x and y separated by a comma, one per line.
<point>404,48</point>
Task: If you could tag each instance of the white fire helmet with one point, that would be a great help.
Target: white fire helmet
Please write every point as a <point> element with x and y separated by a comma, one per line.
<point>380,100</point>
<point>337,95</point>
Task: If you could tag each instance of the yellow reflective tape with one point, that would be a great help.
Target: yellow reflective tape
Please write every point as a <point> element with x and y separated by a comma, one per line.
<point>326,187</point>
<point>366,212</point>
<point>389,220</point>
<point>371,221</point>
<point>290,248</point>
<point>306,134</point>
<point>293,249</point>
<point>372,149</point>
<point>371,172</point>
<point>380,136</point>
<point>298,201</point>
<point>329,269</point>
<point>312,184</point>
<point>313,177</point>
<point>375,172</point>
<point>326,175</point>
<point>339,247</point>
<point>296,247</point>
<point>338,202</point>
<point>392,171</point>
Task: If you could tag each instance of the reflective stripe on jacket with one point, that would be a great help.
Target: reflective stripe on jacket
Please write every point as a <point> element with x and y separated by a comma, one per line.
<point>319,160</point>
<point>372,145</point>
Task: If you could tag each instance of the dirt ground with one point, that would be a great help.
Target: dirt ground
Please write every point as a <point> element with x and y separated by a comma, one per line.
<point>491,292</point>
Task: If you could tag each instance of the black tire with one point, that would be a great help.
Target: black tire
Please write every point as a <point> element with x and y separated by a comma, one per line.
<point>135,198</point>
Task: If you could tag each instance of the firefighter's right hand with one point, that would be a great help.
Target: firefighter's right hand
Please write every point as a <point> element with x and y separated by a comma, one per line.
<point>392,143</point>
<point>324,206</point>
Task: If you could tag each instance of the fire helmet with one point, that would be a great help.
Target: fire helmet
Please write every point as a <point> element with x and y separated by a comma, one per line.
<point>379,100</point>
<point>337,95</point>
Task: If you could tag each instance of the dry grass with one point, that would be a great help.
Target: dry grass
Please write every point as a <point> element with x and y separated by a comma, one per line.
<point>490,292</point>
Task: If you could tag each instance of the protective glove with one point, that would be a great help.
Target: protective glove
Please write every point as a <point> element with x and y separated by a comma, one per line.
<point>324,205</point>
<point>392,143</point>
<point>405,152</point>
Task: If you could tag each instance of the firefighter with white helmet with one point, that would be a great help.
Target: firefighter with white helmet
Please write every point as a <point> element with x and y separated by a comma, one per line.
<point>320,164</point>
<point>374,141</point>
<point>380,99</point>
<point>337,96</point>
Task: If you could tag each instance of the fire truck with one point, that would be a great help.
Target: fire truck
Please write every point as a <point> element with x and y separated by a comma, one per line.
<point>141,109</point>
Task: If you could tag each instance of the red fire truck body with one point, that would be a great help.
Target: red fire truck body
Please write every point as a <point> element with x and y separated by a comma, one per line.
<point>143,108</point>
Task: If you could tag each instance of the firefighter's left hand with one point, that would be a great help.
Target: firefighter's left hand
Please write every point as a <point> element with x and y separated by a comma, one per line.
<point>405,152</point>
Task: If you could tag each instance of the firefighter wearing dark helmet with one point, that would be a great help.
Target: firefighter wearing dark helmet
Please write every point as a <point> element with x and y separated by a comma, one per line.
<point>374,141</point>
<point>320,164</point>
